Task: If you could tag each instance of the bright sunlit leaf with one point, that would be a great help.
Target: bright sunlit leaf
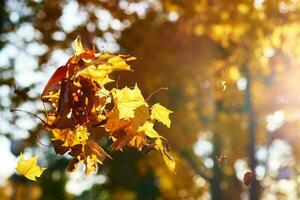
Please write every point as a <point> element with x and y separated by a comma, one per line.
<point>80,103</point>
<point>161,114</point>
<point>101,76</point>
<point>169,160</point>
<point>149,130</point>
<point>29,168</point>
<point>128,100</point>
<point>78,46</point>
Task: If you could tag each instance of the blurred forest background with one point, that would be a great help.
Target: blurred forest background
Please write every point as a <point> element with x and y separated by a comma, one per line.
<point>232,69</point>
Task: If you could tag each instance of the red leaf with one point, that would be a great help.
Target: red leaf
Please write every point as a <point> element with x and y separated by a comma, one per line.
<point>249,177</point>
<point>88,55</point>
<point>58,75</point>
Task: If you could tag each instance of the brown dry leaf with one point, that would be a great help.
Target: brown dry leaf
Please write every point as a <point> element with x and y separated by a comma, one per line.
<point>114,123</point>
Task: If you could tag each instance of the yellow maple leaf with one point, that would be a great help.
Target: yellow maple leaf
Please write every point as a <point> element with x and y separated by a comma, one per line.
<point>141,115</point>
<point>128,100</point>
<point>148,129</point>
<point>71,138</point>
<point>91,164</point>
<point>29,168</point>
<point>99,75</point>
<point>106,63</point>
<point>118,63</point>
<point>78,48</point>
<point>109,61</point>
<point>166,156</point>
<point>161,114</point>
<point>91,156</point>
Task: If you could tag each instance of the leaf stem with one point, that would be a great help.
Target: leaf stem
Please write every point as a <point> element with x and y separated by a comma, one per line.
<point>164,88</point>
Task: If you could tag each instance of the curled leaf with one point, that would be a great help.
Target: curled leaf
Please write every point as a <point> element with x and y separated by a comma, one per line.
<point>249,178</point>
<point>169,160</point>
<point>78,46</point>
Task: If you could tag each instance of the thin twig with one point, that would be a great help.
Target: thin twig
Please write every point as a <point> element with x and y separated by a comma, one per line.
<point>39,141</point>
<point>30,113</point>
<point>164,88</point>
<point>117,82</point>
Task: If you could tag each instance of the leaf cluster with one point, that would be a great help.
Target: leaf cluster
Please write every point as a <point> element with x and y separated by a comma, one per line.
<point>80,101</point>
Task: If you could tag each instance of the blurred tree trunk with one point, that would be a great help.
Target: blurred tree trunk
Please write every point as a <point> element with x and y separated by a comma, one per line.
<point>216,192</point>
<point>254,189</point>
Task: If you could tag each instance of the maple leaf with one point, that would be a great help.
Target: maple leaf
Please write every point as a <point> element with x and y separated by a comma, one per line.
<point>78,47</point>
<point>91,155</point>
<point>100,76</point>
<point>124,132</point>
<point>114,123</point>
<point>71,138</point>
<point>138,140</point>
<point>80,102</point>
<point>249,178</point>
<point>29,168</point>
<point>52,97</point>
<point>166,156</point>
<point>148,129</point>
<point>141,115</point>
<point>117,63</point>
<point>128,100</point>
<point>99,69</point>
<point>57,76</point>
<point>110,62</point>
<point>121,140</point>
<point>161,114</point>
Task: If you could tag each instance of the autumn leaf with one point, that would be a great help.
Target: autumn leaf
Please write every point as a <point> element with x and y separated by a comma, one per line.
<point>148,129</point>
<point>91,155</point>
<point>128,100</point>
<point>249,178</point>
<point>99,69</point>
<point>141,115</point>
<point>57,76</point>
<point>78,46</point>
<point>138,140</point>
<point>161,114</point>
<point>125,132</point>
<point>117,63</point>
<point>71,138</point>
<point>80,102</point>
<point>114,123</point>
<point>166,156</point>
<point>99,75</point>
<point>29,168</point>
